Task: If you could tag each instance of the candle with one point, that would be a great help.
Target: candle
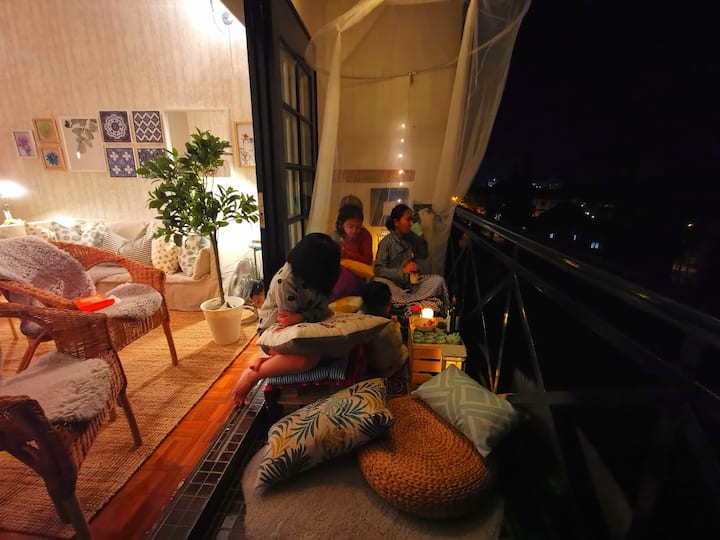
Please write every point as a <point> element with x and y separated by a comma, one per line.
<point>427,313</point>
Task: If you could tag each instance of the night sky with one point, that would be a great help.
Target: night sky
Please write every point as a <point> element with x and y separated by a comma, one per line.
<point>602,91</point>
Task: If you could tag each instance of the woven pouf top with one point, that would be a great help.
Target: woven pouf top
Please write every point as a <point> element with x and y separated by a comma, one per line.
<point>424,465</point>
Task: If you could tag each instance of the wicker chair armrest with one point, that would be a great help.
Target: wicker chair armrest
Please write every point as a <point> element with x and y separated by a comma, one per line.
<point>26,433</point>
<point>139,273</point>
<point>46,298</point>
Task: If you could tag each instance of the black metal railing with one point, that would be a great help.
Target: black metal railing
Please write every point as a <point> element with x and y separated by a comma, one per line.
<point>619,388</point>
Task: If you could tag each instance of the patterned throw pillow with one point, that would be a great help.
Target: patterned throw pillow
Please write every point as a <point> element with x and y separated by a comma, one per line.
<point>330,427</point>
<point>43,232</point>
<point>482,416</point>
<point>87,233</point>
<point>188,252</point>
<point>332,337</point>
<point>112,241</point>
<point>139,250</point>
<point>164,255</point>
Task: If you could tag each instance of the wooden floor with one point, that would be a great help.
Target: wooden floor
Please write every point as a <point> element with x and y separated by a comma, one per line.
<point>138,505</point>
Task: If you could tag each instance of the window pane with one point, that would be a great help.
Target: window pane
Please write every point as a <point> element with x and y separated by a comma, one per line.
<point>291,144</point>
<point>306,143</point>
<point>294,233</point>
<point>304,93</point>
<point>307,190</point>
<point>287,78</point>
<point>293,193</point>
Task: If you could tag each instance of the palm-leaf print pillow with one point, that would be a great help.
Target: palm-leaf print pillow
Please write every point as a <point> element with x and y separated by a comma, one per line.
<point>330,427</point>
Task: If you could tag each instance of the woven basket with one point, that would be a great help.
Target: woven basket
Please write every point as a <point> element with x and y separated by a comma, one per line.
<point>424,465</point>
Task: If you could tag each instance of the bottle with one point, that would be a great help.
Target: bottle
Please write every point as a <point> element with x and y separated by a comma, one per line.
<point>452,317</point>
<point>414,275</point>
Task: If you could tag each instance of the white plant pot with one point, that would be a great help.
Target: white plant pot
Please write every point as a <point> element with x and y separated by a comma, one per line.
<point>225,322</point>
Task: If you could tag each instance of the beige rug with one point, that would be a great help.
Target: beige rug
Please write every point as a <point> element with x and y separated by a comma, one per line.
<point>160,395</point>
<point>334,501</point>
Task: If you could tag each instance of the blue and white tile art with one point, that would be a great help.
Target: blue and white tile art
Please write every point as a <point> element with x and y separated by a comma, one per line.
<point>115,126</point>
<point>147,126</point>
<point>148,153</point>
<point>121,162</point>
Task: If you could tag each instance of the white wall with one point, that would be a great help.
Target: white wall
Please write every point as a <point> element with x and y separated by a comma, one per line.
<point>77,57</point>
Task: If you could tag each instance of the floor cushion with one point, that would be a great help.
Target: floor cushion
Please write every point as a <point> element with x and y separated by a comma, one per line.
<point>424,465</point>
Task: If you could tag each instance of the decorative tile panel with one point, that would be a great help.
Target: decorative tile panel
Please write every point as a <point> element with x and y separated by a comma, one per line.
<point>115,126</point>
<point>148,153</point>
<point>121,162</point>
<point>147,126</point>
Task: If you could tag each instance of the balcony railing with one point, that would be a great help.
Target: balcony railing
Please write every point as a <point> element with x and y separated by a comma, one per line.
<point>618,386</point>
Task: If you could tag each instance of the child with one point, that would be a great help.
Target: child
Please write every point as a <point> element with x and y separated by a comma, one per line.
<point>298,292</point>
<point>386,353</point>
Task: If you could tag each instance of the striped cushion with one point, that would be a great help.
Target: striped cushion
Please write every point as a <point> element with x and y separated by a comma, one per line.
<point>334,370</point>
<point>139,250</point>
<point>482,416</point>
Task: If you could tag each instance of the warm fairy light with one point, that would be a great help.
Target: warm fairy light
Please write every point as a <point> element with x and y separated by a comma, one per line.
<point>399,201</point>
<point>402,125</point>
<point>427,313</point>
<point>454,198</point>
<point>402,139</point>
<point>401,172</point>
<point>401,183</point>
<point>400,156</point>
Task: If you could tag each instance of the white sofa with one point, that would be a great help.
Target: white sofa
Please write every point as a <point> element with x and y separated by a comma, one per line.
<point>182,292</point>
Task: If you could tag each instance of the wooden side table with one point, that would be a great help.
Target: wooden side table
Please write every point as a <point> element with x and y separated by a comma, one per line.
<point>429,359</point>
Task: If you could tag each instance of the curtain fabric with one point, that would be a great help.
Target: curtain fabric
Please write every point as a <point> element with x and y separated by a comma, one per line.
<point>411,90</point>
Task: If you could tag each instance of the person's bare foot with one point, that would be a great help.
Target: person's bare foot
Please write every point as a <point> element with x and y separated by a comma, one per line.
<point>243,386</point>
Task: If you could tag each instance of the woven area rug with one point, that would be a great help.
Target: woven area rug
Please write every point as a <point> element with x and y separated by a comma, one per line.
<point>333,500</point>
<point>160,395</point>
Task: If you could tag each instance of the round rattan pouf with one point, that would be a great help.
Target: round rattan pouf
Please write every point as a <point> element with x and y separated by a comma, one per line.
<point>424,465</point>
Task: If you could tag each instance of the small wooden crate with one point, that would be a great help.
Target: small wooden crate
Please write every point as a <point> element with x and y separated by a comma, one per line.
<point>429,359</point>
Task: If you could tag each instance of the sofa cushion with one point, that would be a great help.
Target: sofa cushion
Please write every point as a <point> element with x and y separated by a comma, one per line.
<point>87,233</point>
<point>38,230</point>
<point>164,255</point>
<point>188,252</point>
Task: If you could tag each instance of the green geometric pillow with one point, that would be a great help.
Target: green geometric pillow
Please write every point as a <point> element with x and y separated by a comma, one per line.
<point>482,416</point>
<point>330,427</point>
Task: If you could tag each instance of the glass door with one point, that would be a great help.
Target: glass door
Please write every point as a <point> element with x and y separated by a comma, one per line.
<point>283,93</point>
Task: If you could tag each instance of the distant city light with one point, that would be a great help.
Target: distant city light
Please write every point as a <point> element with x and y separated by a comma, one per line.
<point>587,212</point>
<point>594,245</point>
<point>552,235</point>
<point>690,225</point>
<point>574,236</point>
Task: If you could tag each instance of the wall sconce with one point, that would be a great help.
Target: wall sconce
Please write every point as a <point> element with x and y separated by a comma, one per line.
<point>9,190</point>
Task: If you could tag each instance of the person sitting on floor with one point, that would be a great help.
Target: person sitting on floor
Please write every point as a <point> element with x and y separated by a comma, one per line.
<point>299,292</point>
<point>386,353</point>
<point>355,251</point>
<point>395,264</point>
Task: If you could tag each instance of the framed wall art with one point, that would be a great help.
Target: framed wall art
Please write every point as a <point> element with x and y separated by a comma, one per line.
<point>244,144</point>
<point>82,143</point>
<point>115,126</point>
<point>25,144</point>
<point>121,162</point>
<point>46,130</point>
<point>52,156</point>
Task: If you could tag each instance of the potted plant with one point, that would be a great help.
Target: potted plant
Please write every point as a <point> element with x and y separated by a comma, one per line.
<point>189,202</point>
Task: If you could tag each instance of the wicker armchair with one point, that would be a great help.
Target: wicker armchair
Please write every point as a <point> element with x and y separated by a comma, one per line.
<point>56,450</point>
<point>123,331</point>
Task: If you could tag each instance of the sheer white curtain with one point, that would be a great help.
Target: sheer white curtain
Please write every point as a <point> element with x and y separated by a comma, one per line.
<point>409,90</point>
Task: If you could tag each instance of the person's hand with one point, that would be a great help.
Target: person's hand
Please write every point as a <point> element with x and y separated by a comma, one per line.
<point>410,267</point>
<point>289,318</point>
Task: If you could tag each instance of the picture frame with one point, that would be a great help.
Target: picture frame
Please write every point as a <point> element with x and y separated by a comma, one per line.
<point>46,131</point>
<point>244,143</point>
<point>52,156</point>
<point>82,143</point>
<point>25,143</point>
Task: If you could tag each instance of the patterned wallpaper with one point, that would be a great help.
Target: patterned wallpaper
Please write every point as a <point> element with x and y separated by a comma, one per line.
<point>70,58</point>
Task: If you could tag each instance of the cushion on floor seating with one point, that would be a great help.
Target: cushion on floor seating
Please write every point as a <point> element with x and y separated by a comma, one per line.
<point>424,465</point>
